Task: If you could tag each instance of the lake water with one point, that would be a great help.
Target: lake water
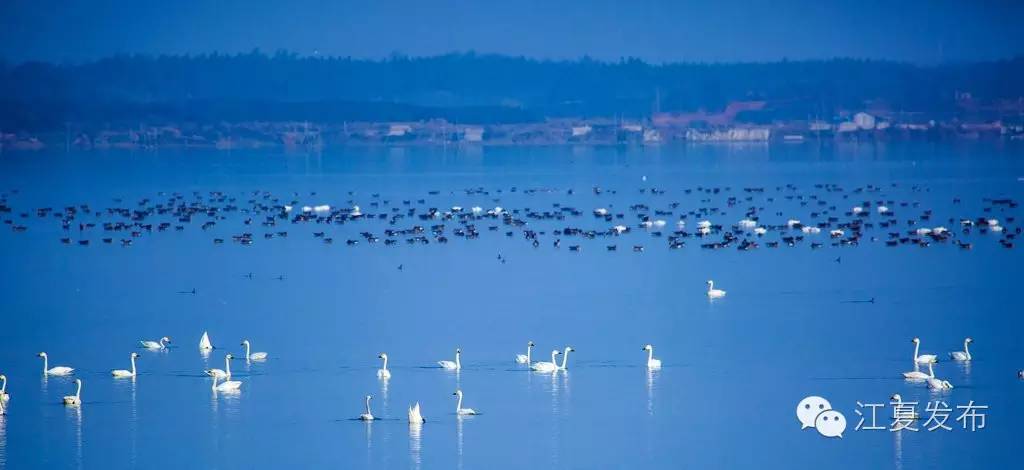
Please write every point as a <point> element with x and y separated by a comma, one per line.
<point>734,368</point>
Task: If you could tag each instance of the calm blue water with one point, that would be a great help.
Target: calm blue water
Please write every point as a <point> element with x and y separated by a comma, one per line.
<point>734,369</point>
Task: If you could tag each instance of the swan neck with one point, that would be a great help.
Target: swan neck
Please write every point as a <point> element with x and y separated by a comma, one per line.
<point>385,363</point>
<point>565,357</point>
<point>46,364</point>
<point>133,364</point>
<point>650,354</point>
<point>247,350</point>
<point>916,346</point>
<point>529,348</point>
<point>458,362</point>
<point>967,349</point>
<point>3,387</point>
<point>367,405</point>
<point>458,405</point>
<point>227,368</point>
<point>78,392</point>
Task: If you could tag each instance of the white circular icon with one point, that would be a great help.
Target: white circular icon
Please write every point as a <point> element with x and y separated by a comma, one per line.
<point>809,408</point>
<point>830,423</point>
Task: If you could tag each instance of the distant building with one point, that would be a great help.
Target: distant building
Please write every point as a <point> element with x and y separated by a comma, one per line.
<point>581,131</point>
<point>735,134</point>
<point>864,121</point>
<point>819,126</point>
<point>847,126</point>
<point>399,130</point>
<point>473,134</point>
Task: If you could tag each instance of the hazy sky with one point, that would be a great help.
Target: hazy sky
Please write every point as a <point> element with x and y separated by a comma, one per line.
<point>925,31</point>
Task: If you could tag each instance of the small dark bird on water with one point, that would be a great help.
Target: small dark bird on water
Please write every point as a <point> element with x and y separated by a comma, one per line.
<point>248,276</point>
<point>280,278</point>
<point>839,259</point>
<point>400,267</point>
<point>869,301</point>
<point>193,291</point>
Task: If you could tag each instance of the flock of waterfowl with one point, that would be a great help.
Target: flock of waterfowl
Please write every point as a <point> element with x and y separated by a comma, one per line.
<point>234,386</point>
<point>825,214</point>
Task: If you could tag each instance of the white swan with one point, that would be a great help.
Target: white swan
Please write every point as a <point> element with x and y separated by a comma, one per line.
<point>367,416</point>
<point>652,363</point>
<point>565,357</point>
<point>897,400</point>
<point>4,396</point>
<point>714,293</point>
<point>227,386</point>
<point>222,374</point>
<point>964,355</point>
<point>547,366</point>
<point>162,344</point>
<point>256,356</point>
<point>383,372</point>
<point>204,342</point>
<point>525,359</point>
<point>916,374</point>
<point>935,383</point>
<point>57,370</point>
<point>75,399</point>
<point>923,358</point>
<point>449,365</point>
<point>414,414</point>
<point>123,374</point>
<point>459,410</point>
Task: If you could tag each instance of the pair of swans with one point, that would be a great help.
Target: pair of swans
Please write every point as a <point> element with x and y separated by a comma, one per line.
<point>76,399</point>
<point>256,356</point>
<point>56,370</point>
<point>553,366</point>
<point>156,345</point>
<point>714,293</point>
<point>449,365</point>
<point>933,382</point>
<point>222,374</point>
<point>652,363</point>
<point>124,374</point>
<point>964,355</point>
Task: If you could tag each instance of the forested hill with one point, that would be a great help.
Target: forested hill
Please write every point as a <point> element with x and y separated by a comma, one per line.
<point>468,88</point>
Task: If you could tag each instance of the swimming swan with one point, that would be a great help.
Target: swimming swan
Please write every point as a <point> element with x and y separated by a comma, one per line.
<point>916,374</point>
<point>75,399</point>
<point>4,396</point>
<point>547,366</point>
<point>227,386</point>
<point>367,416</point>
<point>652,363</point>
<point>414,414</point>
<point>964,355</point>
<point>459,410</point>
<point>449,365</point>
<point>935,383</point>
<point>222,374</point>
<point>897,400</point>
<point>204,342</point>
<point>162,344</point>
<point>256,356</point>
<point>383,372</point>
<point>525,359</point>
<point>714,293</point>
<point>923,358</point>
<point>123,374</point>
<point>57,370</point>
<point>565,357</point>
